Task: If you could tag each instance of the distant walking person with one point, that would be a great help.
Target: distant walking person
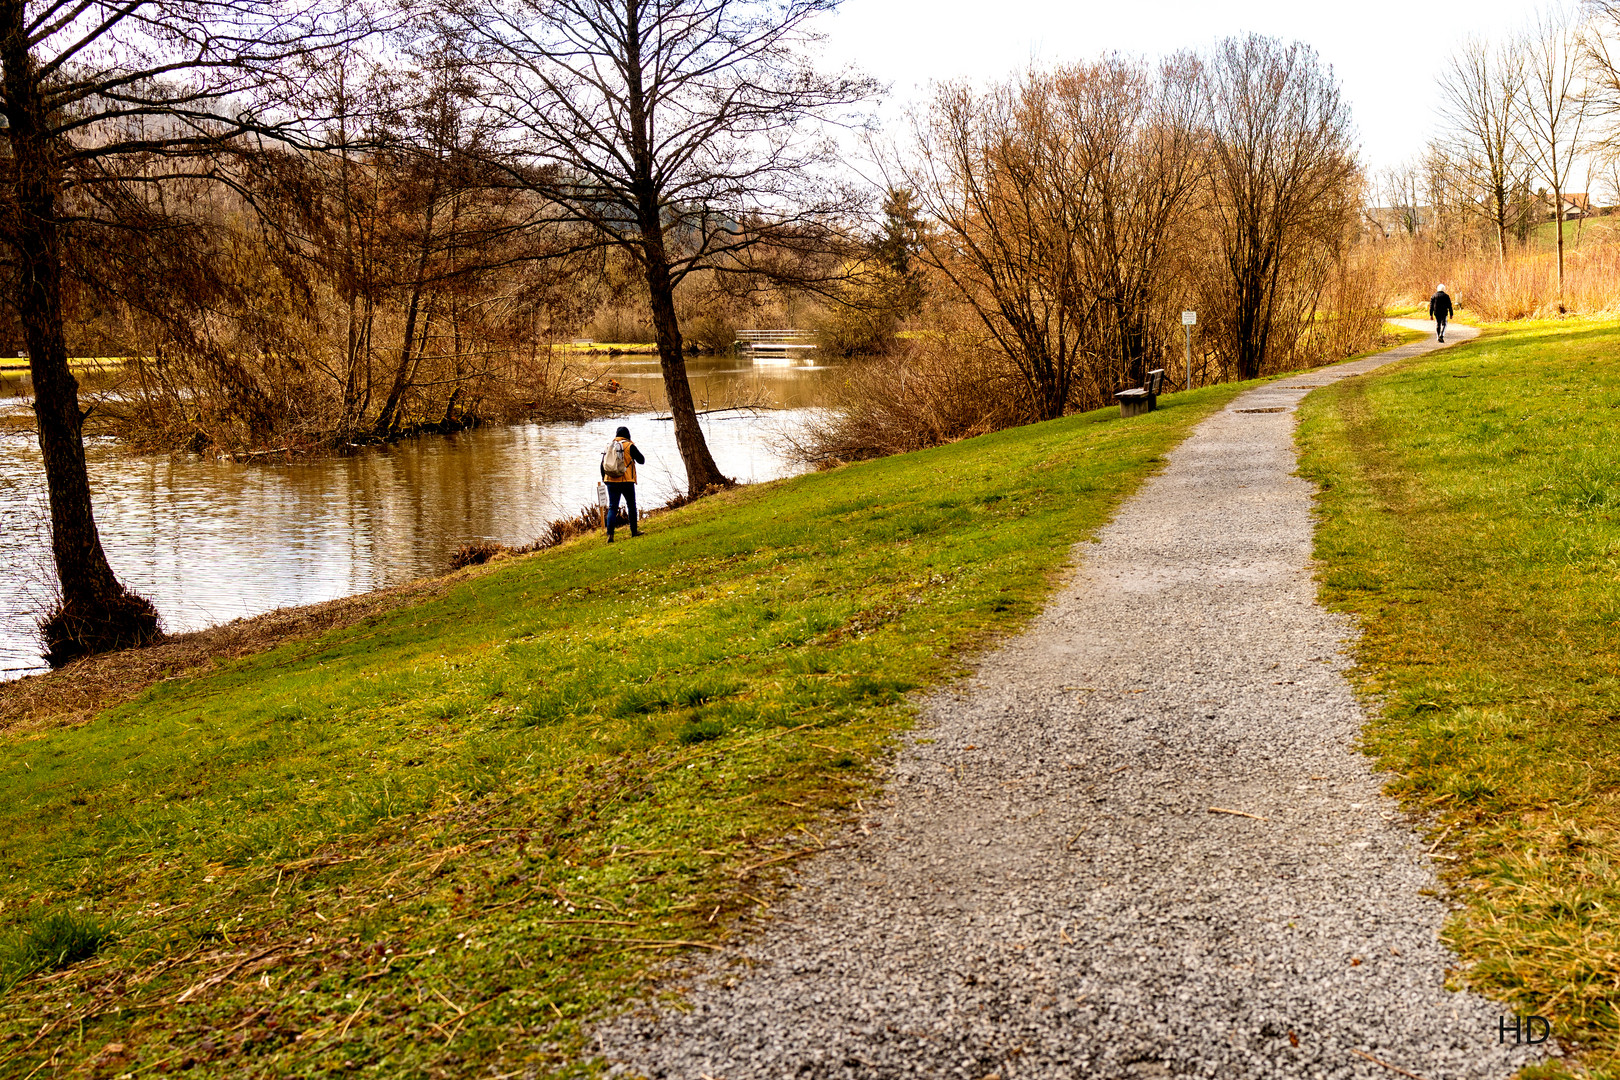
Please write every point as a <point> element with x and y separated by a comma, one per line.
<point>619,463</point>
<point>1440,310</point>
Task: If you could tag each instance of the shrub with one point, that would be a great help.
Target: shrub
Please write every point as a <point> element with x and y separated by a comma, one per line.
<point>632,326</point>
<point>126,621</point>
<point>846,330</point>
<point>709,333</point>
<point>476,553</point>
<point>932,389</point>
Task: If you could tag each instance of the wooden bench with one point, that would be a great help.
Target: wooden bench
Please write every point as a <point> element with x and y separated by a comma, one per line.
<point>1143,399</point>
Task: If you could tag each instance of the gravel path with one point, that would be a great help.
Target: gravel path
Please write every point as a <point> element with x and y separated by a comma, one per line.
<point>1045,892</point>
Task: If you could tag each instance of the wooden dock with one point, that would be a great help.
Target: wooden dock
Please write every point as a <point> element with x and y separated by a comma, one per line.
<point>776,346</point>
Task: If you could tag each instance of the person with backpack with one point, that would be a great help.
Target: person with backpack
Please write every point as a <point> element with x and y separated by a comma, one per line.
<point>619,463</point>
<point>1440,310</point>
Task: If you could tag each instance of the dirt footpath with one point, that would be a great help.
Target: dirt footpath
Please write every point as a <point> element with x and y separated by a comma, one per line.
<point>1140,843</point>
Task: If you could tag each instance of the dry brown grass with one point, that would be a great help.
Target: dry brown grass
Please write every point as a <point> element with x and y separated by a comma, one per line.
<point>1523,286</point>
<point>931,390</point>
<point>949,383</point>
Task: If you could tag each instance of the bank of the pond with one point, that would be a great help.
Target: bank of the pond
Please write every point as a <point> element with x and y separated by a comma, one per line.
<point>1471,523</point>
<point>209,541</point>
<point>436,840</point>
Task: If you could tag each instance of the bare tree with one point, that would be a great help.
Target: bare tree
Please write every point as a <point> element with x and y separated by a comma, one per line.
<point>1601,45</point>
<point>1449,192</point>
<point>1138,162</point>
<point>346,296</point>
<point>674,130</point>
<point>1060,202</point>
<point>1554,108</point>
<point>1606,167</point>
<point>1482,96</point>
<point>1402,189</point>
<point>992,173</point>
<point>83,84</point>
<point>1284,181</point>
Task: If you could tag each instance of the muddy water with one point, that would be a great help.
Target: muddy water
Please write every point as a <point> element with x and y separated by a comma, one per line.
<point>210,541</point>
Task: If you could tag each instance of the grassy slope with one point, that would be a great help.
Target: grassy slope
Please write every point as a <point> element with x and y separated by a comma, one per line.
<point>1471,520</point>
<point>437,840</point>
<point>1594,230</point>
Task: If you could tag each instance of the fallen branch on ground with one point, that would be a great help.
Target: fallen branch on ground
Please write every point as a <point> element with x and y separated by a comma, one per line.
<point>1385,1064</point>
<point>750,868</point>
<point>656,943</point>
<point>1235,813</point>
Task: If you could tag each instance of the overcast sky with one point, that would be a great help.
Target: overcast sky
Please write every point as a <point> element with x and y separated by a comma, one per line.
<point>1386,53</point>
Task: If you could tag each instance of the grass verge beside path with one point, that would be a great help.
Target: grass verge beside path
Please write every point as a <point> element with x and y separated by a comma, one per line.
<point>1470,520</point>
<point>436,841</point>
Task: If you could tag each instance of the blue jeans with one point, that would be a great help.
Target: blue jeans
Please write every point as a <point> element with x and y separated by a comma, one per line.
<point>627,492</point>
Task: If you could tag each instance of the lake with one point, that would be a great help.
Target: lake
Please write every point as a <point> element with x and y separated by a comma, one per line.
<point>208,541</point>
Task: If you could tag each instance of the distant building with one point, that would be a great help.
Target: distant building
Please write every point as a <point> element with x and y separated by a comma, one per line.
<point>1577,204</point>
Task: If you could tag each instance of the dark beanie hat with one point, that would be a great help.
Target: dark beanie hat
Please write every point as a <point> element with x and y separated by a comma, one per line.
<point>622,433</point>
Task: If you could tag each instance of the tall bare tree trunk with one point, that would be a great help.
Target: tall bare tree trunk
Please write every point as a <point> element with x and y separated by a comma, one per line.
<point>1558,218</point>
<point>388,418</point>
<point>701,471</point>
<point>97,614</point>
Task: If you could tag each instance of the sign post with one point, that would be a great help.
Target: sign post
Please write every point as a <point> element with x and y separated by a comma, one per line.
<point>1189,319</point>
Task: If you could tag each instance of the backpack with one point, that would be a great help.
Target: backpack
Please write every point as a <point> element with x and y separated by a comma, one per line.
<point>616,460</point>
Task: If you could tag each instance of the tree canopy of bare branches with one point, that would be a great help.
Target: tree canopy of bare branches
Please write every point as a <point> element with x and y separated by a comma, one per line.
<point>1140,164</point>
<point>86,85</point>
<point>1401,189</point>
<point>1481,89</point>
<point>1553,110</point>
<point>991,172</point>
<point>1057,200</point>
<point>1284,181</point>
<point>1601,45</point>
<point>678,131</point>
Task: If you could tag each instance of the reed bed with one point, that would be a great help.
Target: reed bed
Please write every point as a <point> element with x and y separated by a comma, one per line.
<point>1524,285</point>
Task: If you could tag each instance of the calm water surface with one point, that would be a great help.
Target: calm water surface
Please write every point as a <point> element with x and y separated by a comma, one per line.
<point>210,541</point>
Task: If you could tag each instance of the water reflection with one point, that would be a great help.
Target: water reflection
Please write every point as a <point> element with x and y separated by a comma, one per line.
<point>209,541</point>
<point>721,381</point>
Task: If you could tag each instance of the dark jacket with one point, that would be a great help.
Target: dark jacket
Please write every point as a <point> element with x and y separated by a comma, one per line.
<point>635,458</point>
<point>1440,306</point>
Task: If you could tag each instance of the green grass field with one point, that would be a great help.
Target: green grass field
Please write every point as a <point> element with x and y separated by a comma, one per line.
<point>436,842</point>
<point>1471,522</point>
<point>1597,229</point>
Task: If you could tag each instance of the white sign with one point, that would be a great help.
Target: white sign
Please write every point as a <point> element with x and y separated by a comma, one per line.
<point>1189,318</point>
